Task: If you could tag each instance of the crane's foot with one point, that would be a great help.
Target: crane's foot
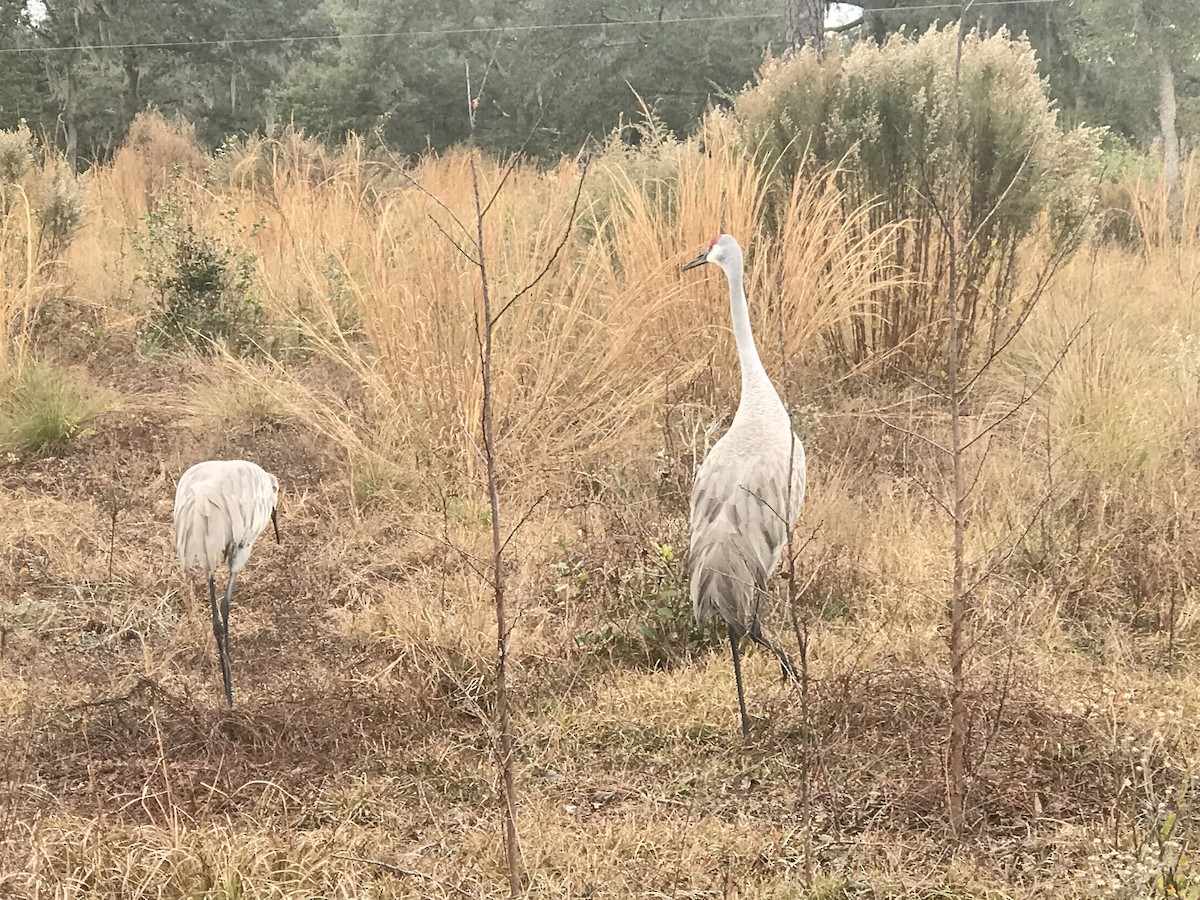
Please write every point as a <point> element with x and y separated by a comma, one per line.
<point>753,728</point>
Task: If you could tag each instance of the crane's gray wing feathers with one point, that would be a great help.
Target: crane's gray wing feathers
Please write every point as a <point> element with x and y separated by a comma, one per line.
<point>741,516</point>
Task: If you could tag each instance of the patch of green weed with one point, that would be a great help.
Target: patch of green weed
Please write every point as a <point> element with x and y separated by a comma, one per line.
<point>43,407</point>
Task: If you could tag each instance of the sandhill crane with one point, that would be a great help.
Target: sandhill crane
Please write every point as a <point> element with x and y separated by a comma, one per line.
<point>221,506</point>
<point>747,492</point>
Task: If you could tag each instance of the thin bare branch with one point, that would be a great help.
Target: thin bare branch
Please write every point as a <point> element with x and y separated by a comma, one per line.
<point>484,334</point>
<point>457,246</point>
<point>473,562</point>
<point>990,569</point>
<point>991,213</point>
<point>487,70</point>
<point>553,256</point>
<point>896,370</point>
<point>1000,703</point>
<point>928,491</point>
<point>1035,293</point>
<point>406,873</point>
<point>845,26</point>
<point>1029,395</point>
<point>524,518</point>
<point>432,196</point>
<point>810,539</point>
<point>520,614</point>
<point>920,437</point>
<point>512,164</point>
<point>983,458</point>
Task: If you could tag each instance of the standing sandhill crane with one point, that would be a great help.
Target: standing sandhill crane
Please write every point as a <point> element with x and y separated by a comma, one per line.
<point>221,506</point>
<point>747,493</point>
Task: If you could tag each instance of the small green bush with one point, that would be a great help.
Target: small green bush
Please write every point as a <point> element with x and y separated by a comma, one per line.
<point>16,157</point>
<point>990,154</point>
<point>58,198</point>
<point>637,158</point>
<point>204,286</point>
<point>658,627</point>
<point>44,407</point>
<point>53,191</point>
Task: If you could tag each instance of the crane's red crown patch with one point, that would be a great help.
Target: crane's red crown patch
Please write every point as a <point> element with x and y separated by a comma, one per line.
<point>713,242</point>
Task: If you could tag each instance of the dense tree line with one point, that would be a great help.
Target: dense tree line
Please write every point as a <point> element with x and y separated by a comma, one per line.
<point>557,71</point>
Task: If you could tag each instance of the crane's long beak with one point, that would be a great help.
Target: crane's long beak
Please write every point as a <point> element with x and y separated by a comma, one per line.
<point>698,261</point>
<point>275,522</point>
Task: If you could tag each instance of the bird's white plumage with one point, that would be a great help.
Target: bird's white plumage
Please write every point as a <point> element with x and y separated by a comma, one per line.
<point>749,489</point>
<point>221,506</point>
<point>742,513</point>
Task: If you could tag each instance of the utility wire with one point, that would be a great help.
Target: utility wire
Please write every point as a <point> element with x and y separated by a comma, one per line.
<point>499,29</point>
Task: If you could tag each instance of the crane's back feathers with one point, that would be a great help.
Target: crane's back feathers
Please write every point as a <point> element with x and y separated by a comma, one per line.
<point>221,506</point>
<point>741,516</point>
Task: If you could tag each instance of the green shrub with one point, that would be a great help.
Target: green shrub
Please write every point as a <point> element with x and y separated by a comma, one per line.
<point>888,117</point>
<point>58,198</point>
<point>637,158</point>
<point>204,286</point>
<point>52,190</point>
<point>659,628</point>
<point>43,407</point>
<point>16,158</point>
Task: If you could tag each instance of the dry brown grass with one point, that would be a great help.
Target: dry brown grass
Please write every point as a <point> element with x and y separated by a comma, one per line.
<point>361,658</point>
<point>23,277</point>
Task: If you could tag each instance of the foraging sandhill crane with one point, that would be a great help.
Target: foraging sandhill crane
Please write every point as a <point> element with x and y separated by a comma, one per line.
<point>747,493</point>
<point>221,506</point>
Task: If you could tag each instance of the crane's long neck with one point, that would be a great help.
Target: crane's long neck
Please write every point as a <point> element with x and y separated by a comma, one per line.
<point>755,383</point>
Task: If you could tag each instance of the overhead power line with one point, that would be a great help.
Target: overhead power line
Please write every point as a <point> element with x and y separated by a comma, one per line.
<point>499,29</point>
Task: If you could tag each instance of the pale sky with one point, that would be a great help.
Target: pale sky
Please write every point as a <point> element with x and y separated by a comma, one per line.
<point>841,13</point>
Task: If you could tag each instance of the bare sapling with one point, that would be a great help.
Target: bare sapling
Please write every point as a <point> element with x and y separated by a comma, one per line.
<point>472,246</point>
<point>969,436</point>
<point>800,609</point>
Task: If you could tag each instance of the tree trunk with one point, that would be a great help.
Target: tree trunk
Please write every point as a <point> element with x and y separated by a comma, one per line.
<point>959,607</point>
<point>876,27</point>
<point>512,846</point>
<point>805,24</point>
<point>131,94</point>
<point>1170,139</point>
<point>70,109</point>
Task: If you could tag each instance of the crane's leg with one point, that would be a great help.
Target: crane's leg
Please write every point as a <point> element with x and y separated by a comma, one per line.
<point>225,670</point>
<point>219,633</point>
<point>785,661</point>
<point>734,639</point>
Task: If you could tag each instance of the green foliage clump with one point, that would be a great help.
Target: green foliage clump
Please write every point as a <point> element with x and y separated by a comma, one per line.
<point>16,155</point>
<point>923,141</point>
<point>43,407</point>
<point>204,286</point>
<point>660,627</point>
<point>640,159</point>
<point>58,199</point>
<point>666,623</point>
<point>52,191</point>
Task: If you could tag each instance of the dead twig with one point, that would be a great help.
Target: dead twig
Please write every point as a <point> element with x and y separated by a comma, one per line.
<point>407,873</point>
